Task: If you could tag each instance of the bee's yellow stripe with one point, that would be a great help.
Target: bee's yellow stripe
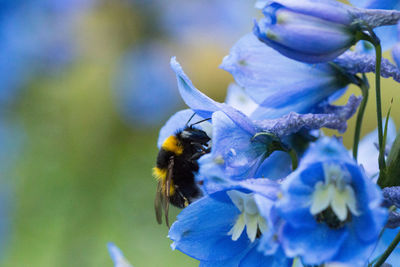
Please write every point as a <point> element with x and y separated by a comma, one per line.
<point>172,144</point>
<point>161,174</point>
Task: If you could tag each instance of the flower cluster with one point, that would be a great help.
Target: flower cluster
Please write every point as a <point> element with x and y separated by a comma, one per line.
<point>275,190</point>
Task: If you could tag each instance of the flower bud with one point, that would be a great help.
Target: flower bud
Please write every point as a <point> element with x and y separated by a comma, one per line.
<point>312,32</point>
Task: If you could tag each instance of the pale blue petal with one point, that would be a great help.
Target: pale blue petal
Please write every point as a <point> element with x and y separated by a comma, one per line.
<point>238,99</point>
<point>235,147</point>
<point>368,152</point>
<point>201,229</point>
<point>272,79</point>
<point>196,100</point>
<point>384,242</point>
<point>117,256</point>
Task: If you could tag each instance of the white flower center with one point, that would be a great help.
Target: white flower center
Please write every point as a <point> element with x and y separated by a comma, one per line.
<point>249,217</point>
<point>334,193</point>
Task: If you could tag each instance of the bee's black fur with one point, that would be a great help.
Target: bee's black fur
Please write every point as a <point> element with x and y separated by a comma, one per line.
<point>194,144</point>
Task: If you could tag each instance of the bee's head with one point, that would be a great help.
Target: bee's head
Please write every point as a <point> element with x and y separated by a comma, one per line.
<point>195,135</point>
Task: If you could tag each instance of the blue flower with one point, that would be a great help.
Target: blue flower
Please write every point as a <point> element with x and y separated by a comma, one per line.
<point>117,256</point>
<point>46,45</point>
<point>279,84</point>
<point>146,90</point>
<point>308,31</point>
<point>228,19</point>
<point>339,207</point>
<point>236,151</point>
<point>317,31</point>
<point>224,228</point>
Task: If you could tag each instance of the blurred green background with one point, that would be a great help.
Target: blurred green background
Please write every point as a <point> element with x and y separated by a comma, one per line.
<point>82,174</point>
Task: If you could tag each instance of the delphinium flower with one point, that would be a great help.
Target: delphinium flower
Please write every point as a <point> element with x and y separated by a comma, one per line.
<point>326,28</point>
<point>145,89</point>
<point>224,228</point>
<point>117,256</point>
<point>331,209</point>
<point>236,148</point>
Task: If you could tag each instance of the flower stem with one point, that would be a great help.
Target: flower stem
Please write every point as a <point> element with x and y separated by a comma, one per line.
<point>388,251</point>
<point>378,50</point>
<point>364,86</point>
<point>369,35</point>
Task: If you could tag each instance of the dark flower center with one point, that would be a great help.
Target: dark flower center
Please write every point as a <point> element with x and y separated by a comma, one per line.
<point>329,217</point>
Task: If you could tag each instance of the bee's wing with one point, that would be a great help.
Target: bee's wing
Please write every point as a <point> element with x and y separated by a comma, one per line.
<point>167,188</point>
<point>159,202</point>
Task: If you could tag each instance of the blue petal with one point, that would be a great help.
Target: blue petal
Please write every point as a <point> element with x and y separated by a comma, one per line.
<point>353,251</point>
<point>396,54</point>
<point>376,4</point>
<point>205,106</point>
<point>277,166</point>
<point>240,154</point>
<point>272,79</point>
<point>326,149</point>
<point>384,242</point>
<point>117,256</point>
<point>256,258</point>
<point>296,191</point>
<point>234,261</point>
<point>315,246</point>
<point>329,10</point>
<point>260,32</point>
<point>196,100</point>
<point>238,99</point>
<point>201,230</point>
<point>369,198</point>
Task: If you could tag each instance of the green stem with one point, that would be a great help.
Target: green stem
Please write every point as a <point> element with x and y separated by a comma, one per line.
<point>295,161</point>
<point>378,50</point>
<point>388,251</point>
<point>364,86</point>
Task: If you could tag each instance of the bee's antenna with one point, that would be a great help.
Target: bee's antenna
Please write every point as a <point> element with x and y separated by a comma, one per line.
<point>200,121</point>
<point>194,113</point>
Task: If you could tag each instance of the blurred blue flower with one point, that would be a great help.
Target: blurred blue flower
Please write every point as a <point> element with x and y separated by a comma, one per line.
<point>310,31</point>
<point>396,48</point>
<point>117,256</point>
<point>279,84</point>
<point>368,149</point>
<point>385,240</point>
<point>339,207</point>
<point>146,90</point>
<point>224,228</point>
<point>227,19</point>
<point>42,47</point>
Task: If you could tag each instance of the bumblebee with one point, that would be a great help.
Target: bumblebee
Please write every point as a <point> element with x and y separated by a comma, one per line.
<point>176,167</point>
